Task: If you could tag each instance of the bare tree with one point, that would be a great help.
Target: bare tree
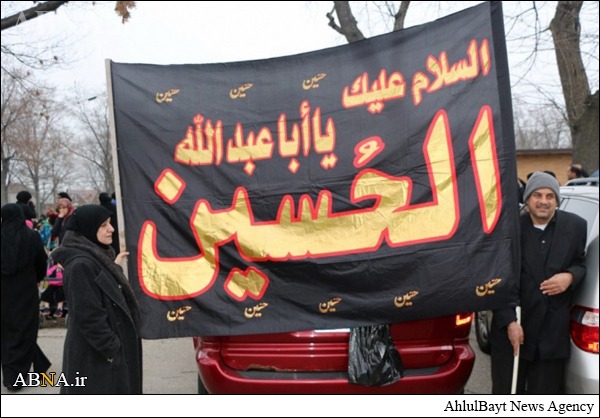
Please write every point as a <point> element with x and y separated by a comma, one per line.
<point>29,14</point>
<point>122,8</point>
<point>542,128</point>
<point>20,49</point>
<point>348,26</point>
<point>94,147</point>
<point>36,150</point>
<point>33,139</point>
<point>16,104</point>
<point>43,159</point>
<point>581,106</point>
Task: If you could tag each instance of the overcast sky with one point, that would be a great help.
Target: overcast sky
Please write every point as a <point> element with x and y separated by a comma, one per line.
<point>208,32</point>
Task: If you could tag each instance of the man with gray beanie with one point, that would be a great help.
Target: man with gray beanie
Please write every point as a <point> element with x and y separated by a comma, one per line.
<point>552,265</point>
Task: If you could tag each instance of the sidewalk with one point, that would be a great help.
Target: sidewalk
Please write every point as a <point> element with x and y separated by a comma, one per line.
<point>169,366</point>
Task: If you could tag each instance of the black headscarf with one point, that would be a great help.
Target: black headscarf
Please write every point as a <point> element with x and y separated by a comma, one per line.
<point>24,196</point>
<point>18,246</point>
<point>64,195</point>
<point>106,202</point>
<point>104,198</point>
<point>24,200</point>
<point>86,220</point>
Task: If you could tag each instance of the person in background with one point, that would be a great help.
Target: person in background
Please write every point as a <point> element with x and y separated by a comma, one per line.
<point>521,186</point>
<point>113,197</point>
<point>576,171</point>
<point>106,202</point>
<point>24,199</point>
<point>552,265</point>
<point>51,215</point>
<point>47,225</point>
<point>65,209</point>
<point>44,228</point>
<point>102,340</point>
<point>54,294</point>
<point>64,195</point>
<point>23,266</point>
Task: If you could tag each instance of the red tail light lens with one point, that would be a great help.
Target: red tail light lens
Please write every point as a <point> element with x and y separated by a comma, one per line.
<point>584,328</point>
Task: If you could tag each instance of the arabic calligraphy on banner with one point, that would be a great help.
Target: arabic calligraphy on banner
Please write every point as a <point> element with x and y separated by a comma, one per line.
<point>265,199</point>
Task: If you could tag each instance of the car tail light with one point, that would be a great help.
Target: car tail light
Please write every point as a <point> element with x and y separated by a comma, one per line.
<point>584,328</point>
<point>463,319</point>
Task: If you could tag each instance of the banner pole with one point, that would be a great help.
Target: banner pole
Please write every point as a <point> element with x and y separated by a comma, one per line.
<point>115,162</point>
<point>515,376</point>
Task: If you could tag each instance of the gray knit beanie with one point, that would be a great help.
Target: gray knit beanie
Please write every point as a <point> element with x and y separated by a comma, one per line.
<point>539,180</point>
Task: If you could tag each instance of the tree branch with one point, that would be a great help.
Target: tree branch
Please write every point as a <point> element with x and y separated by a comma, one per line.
<point>332,22</point>
<point>25,15</point>
<point>348,25</point>
<point>401,15</point>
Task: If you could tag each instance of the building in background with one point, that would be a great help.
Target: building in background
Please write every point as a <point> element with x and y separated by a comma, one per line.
<point>555,160</point>
<point>83,197</point>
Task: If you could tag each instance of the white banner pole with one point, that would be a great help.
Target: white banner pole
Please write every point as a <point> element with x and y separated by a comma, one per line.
<point>515,377</point>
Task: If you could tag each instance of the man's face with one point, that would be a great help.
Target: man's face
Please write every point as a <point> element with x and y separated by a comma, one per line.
<point>570,174</point>
<point>542,205</point>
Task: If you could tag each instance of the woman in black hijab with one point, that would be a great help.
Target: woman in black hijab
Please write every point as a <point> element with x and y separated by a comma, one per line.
<point>106,202</point>
<point>24,200</point>
<point>23,266</point>
<point>102,340</point>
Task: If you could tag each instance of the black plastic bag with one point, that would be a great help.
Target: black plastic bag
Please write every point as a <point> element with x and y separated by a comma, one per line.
<point>372,358</point>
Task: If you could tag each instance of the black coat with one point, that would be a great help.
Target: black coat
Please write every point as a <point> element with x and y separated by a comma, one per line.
<point>102,342</point>
<point>545,319</point>
<point>23,265</point>
<point>20,317</point>
<point>28,210</point>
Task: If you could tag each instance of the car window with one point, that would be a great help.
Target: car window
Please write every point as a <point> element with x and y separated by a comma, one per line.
<point>584,208</point>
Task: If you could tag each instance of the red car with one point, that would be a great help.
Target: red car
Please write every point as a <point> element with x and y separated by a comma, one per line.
<point>436,356</point>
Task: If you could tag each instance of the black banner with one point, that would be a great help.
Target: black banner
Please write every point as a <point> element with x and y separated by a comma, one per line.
<point>370,183</point>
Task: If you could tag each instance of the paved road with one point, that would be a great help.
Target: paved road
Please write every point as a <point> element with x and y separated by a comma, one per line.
<point>169,366</point>
<point>480,381</point>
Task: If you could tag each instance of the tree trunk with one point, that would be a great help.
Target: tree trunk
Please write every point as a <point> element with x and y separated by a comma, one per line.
<point>348,25</point>
<point>586,136</point>
<point>582,107</point>
<point>4,178</point>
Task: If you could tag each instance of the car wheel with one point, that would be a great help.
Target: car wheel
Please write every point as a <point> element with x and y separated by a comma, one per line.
<point>482,330</point>
<point>201,388</point>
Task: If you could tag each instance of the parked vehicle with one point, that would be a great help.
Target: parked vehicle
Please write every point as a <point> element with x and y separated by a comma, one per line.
<point>581,374</point>
<point>579,196</point>
<point>583,181</point>
<point>483,323</point>
<point>436,355</point>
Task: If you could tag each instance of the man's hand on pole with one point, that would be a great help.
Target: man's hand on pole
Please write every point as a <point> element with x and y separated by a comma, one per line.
<point>516,336</point>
